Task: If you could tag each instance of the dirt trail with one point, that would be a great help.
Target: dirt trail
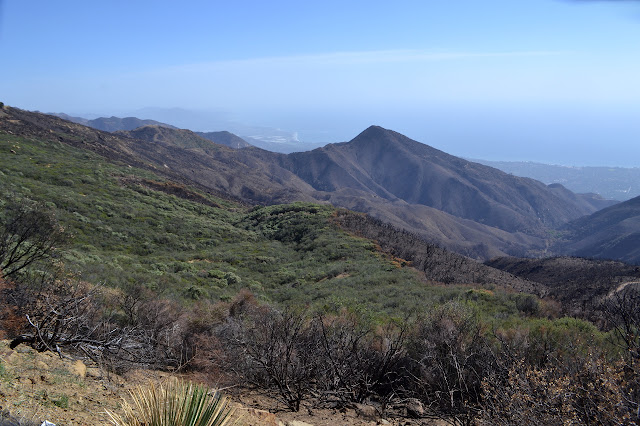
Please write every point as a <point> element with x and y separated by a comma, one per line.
<point>622,287</point>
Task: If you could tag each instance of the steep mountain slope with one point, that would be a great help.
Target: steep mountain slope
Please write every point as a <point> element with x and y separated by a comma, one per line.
<point>223,171</point>
<point>225,138</point>
<point>463,236</point>
<point>253,175</point>
<point>475,210</point>
<point>177,137</point>
<point>112,124</point>
<point>612,233</point>
<point>392,166</point>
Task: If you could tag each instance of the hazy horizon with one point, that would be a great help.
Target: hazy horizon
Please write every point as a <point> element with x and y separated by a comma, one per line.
<point>551,81</point>
<point>450,138</point>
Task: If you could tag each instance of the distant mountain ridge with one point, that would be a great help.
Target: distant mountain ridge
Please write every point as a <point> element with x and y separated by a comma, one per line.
<point>275,140</point>
<point>112,124</point>
<point>178,137</point>
<point>154,130</point>
<point>472,209</point>
<point>615,183</point>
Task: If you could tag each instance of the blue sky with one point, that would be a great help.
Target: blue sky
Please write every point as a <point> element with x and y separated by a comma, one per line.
<point>542,80</point>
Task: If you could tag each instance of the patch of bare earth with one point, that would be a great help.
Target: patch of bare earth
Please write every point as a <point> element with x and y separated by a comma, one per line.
<point>42,386</point>
<point>257,405</point>
<point>37,386</point>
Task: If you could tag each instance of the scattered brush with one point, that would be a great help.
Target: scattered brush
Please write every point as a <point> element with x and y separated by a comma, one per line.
<point>176,403</point>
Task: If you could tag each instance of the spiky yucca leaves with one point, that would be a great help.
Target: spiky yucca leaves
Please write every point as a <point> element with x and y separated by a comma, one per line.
<point>176,403</point>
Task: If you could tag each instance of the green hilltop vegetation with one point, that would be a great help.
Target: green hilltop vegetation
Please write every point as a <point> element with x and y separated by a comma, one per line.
<point>129,227</point>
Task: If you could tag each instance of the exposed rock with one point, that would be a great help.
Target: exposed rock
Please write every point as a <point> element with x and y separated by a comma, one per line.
<point>9,356</point>
<point>7,419</point>
<point>94,372</point>
<point>415,409</point>
<point>26,380</point>
<point>255,417</point>
<point>367,412</point>
<point>79,369</point>
<point>297,423</point>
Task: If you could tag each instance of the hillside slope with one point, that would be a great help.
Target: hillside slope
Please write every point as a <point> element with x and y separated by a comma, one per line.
<point>134,227</point>
<point>184,138</point>
<point>574,282</point>
<point>222,170</point>
<point>612,233</point>
<point>472,209</point>
<point>225,138</point>
<point>112,124</point>
<point>177,137</point>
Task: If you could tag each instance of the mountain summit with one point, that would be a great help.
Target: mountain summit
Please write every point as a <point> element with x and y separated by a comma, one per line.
<point>395,167</point>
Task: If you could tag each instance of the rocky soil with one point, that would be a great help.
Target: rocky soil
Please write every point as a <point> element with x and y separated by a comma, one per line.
<point>35,387</point>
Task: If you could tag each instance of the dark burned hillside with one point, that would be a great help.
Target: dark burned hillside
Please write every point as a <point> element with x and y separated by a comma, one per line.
<point>580,284</point>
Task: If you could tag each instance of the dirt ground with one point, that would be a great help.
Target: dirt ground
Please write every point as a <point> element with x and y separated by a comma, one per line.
<point>41,386</point>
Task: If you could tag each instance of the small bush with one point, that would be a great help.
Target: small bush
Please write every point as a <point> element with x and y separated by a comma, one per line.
<point>527,304</point>
<point>62,402</point>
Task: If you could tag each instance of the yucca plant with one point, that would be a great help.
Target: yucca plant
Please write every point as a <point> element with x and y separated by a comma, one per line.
<point>176,403</point>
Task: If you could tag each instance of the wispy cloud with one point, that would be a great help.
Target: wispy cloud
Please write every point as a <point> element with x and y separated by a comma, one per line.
<point>370,57</point>
<point>382,77</point>
<point>355,80</point>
